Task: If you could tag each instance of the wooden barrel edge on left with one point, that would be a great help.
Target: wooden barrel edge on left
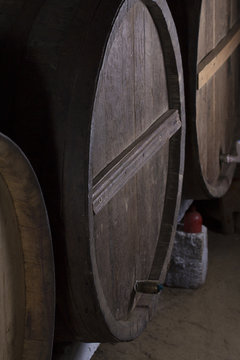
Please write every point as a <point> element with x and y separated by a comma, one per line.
<point>27,300</point>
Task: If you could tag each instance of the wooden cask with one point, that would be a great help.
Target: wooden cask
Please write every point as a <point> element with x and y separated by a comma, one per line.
<point>98,107</point>
<point>209,33</point>
<point>27,301</point>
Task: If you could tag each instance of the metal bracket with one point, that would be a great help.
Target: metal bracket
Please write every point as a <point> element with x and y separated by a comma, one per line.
<point>148,286</point>
<point>227,158</point>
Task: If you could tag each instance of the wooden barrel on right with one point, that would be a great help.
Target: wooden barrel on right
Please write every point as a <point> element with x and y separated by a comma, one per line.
<point>209,33</point>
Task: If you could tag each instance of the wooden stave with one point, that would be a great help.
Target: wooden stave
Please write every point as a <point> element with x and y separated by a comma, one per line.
<point>74,333</point>
<point>195,184</point>
<point>38,282</point>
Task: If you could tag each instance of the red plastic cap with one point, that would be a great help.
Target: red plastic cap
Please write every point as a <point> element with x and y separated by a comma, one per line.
<point>192,221</point>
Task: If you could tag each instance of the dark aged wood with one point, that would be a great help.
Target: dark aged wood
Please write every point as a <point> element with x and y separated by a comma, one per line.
<point>209,36</point>
<point>100,86</point>
<point>133,159</point>
<point>27,301</point>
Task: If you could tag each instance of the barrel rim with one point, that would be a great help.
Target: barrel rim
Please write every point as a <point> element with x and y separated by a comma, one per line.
<point>26,195</point>
<point>131,328</point>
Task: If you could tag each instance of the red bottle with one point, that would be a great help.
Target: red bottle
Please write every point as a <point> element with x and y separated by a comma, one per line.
<point>192,221</point>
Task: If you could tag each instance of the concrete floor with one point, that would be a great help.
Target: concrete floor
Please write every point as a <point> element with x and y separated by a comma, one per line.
<point>201,324</point>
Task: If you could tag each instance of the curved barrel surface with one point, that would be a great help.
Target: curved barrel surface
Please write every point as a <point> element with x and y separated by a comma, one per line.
<point>27,284</point>
<point>209,34</point>
<point>104,82</point>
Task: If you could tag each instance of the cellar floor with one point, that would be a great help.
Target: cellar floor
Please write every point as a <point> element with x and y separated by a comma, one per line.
<point>201,324</point>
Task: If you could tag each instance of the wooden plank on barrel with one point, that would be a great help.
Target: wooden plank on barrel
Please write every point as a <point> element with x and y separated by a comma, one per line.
<point>116,175</point>
<point>218,56</point>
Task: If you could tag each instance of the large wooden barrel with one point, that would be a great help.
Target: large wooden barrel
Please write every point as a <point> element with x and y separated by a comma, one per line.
<point>98,107</point>
<point>27,301</point>
<point>209,33</point>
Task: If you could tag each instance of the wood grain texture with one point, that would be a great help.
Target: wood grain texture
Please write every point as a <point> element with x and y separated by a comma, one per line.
<point>132,65</point>
<point>209,44</point>
<point>129,228</point>
<point>216,112</point>
<point>27,301</point>
<point>115,176</point>
<point>218,56</point>
<point>132,192</point>
<point>97,75</point>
